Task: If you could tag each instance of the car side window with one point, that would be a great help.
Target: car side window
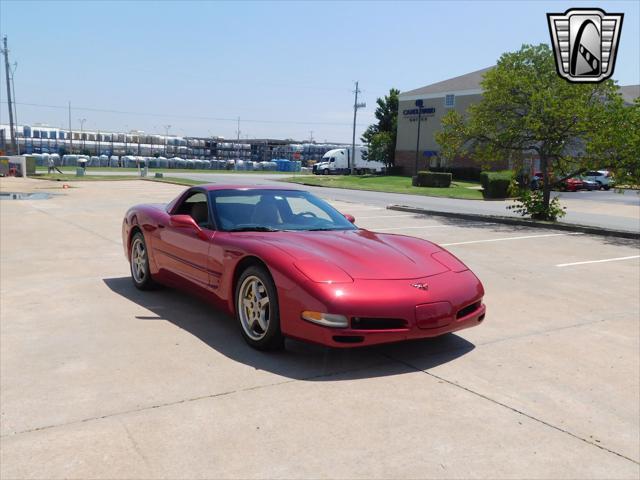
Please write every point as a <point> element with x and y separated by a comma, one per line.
<point>196,206</point>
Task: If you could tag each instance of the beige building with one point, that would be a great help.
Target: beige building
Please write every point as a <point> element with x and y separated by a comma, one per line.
<point>437,99</point>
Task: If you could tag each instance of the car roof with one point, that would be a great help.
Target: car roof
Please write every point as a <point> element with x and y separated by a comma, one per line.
<point>216,186</point>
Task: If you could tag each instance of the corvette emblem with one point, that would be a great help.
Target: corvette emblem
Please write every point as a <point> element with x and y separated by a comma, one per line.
<point>420,286</point>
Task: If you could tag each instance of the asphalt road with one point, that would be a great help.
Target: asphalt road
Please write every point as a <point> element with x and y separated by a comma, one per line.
<point>100,380</point>
<point>619,211</point>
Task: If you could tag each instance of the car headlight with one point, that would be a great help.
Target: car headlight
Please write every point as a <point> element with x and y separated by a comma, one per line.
<point>450,261</point>
<point>326,319</point>
<point>322,271</point>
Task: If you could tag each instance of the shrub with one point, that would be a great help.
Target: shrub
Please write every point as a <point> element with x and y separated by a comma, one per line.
<point>432,179</point>
<point>471,174</point>
<point>531,203</point>
<point>496,184</point>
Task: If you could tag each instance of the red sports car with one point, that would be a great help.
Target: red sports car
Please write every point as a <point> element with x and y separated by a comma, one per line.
<point>287,264</point>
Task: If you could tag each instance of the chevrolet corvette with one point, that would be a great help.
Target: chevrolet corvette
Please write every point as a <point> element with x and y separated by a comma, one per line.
<point>285,263</point>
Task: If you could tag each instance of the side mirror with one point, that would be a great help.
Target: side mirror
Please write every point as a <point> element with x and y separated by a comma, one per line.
<point>188,222</point>
<point>351,218</point>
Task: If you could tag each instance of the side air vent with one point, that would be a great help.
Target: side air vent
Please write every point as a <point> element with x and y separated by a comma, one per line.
<point>463,312</point>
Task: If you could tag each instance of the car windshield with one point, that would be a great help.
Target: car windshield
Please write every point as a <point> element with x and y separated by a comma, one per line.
<point>274,210</point>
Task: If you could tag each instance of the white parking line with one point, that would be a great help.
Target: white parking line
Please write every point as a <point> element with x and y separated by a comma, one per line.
<point>433,226</point>
<point>386,216</point>
<point>357,209</point>
<point>510,238</point>
<point>598,261</point>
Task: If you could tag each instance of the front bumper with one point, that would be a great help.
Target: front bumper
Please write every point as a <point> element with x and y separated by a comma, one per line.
<point>385,311</point>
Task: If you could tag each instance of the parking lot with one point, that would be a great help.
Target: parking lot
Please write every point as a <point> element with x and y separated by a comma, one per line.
<point>99,380</point>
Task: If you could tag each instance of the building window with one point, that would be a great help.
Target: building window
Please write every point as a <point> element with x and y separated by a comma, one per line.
<point>450,101</point>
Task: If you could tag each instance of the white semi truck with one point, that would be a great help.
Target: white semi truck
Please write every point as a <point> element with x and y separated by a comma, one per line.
<point>338,161</point>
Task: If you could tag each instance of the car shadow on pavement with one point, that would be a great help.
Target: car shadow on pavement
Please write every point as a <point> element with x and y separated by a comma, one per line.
<point>300,360</point>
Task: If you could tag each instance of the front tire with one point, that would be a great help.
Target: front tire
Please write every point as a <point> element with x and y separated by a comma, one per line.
<point>257,309</point>
<point>139,263</point>
<point>325,171</point>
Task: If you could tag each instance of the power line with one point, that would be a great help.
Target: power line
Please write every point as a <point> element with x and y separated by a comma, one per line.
<point>187,117</point>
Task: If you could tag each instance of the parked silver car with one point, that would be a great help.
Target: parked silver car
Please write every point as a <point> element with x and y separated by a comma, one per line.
<point>601,177</point>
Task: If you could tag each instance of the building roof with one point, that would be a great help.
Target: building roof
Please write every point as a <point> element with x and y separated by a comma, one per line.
<point>630,92</point>
<point>471,82</point>
<point>468,81</point>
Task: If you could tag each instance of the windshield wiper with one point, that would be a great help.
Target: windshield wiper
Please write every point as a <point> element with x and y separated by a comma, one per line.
<point>254,228</point>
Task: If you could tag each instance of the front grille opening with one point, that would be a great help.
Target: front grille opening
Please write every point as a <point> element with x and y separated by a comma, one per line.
<point>347,339</point>
<point>372,323</point>
<point>468,310</point>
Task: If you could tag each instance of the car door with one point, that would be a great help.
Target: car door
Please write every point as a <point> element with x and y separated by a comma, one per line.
<point>592,175</point>
<point>182,250</point>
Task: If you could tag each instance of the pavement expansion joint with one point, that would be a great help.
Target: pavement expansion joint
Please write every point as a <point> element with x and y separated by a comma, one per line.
<point>386,361</point>
<point>513,409</point>
<point>66,221</point>
<point>612,317</point>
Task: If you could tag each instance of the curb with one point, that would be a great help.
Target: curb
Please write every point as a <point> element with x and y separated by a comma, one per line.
<point>607,232</point>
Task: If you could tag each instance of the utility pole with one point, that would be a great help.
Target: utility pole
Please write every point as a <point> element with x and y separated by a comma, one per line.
<point>12,127</point>
<point>356,106</point>
<point>166,134</point>
<point>82,120</point>
<point>238,139</point>
<point>15,110</point>
<point>70,131</point>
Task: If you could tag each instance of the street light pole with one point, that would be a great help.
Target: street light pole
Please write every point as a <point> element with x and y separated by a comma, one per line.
<point>419,104</point>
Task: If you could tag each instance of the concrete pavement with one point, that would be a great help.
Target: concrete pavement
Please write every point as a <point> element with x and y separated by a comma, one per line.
<point>99,380</point>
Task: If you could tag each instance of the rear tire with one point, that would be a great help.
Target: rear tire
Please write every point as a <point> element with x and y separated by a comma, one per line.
<point>257,309</point>
<point>139,263</point>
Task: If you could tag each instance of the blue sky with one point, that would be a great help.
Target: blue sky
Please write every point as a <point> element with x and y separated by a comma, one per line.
<point>286,68</point>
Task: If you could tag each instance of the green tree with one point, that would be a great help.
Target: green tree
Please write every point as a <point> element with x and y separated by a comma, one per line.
<point>527,108</point>
<point>381,148</point>
<point>614,142</point>
<point>387,115</point>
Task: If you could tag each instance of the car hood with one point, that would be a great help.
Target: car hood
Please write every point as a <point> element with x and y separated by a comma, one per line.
<point>360,253</point>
